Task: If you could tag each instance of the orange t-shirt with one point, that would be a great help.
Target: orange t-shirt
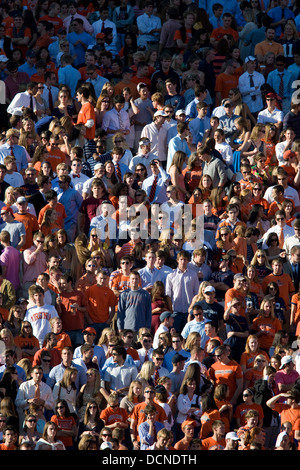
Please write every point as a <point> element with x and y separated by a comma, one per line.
<point>60,214</point>
<point>296,301</point>
<point>86,113</point>
<point>285,284</point>
<point>287,413</point>
<point>271,325</point>
<point>99,301</point>
<point>224,83</point>
<point>63,340</point>
<point>233,293</point>
<point>27,343</point>
<point>247,359</point>
<point>243,408</point>
<point>110,415</point>
<point>55,20</point>
<point>252,375</point>
<point>211,444</point>
<point>226,373</point>
<point>139,416</point>
<point>64,424</point>
<point>55,157</point>
<point>182,445</point>
<point>218,33</point>
<point>207,420</point>
<point>31,225</point>
<point>27,34</point>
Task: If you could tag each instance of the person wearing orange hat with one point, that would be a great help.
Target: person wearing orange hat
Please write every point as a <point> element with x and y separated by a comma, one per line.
<point>89,336</point>
<point>188,427</point>
<point>290,165</point>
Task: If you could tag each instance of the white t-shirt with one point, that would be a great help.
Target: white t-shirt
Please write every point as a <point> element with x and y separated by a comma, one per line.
<point>40,317</point>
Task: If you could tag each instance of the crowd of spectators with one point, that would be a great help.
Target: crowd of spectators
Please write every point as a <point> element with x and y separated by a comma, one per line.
<point>149,225</point>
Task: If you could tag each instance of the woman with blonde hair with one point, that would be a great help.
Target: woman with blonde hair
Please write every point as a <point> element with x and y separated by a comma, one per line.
<point>256,372</point>
<point>261,264</point>
<point>106,335</point>
<point>144,376</point>
<point>255,143</point>
<point>266,324</point>
<point>133,397</point>
<point>9,198</point>
<point>198,297</point>
<point>7,337</point>
<point>193,339</point>
<point>66,389</point>
<point>26,364</point>
<point>89,391</point>
<point>242,134</point>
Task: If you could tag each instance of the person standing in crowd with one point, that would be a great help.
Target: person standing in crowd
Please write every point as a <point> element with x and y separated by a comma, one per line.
<point>102,206</point>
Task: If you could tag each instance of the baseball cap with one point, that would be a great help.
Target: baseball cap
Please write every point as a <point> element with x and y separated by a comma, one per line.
<point>166,315</point>
<point>188,421</point>
<point>160,113</point>
<point>232,435</point>
<point>178,358</point>
<point>127,70</point>
<point>285,360</point>
<point>179,112</point>
<point>106,445</point>
<point>7,209</point>
<point>98,165</point>
<point>250,58</point>
<point>209,289</point>
<point>3,58</point>
<point>21,199</point>
<point>100,36</point>
<point>238,276</point>
<point>270,95</point>
<point>89,329</point>
<point>287,154</point>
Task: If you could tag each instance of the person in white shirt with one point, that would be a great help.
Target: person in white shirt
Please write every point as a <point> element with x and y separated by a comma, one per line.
<point>104,23</point>
<point>24,99</point>
<point>160,194</point>
<point>149,26</point>
<point>281,225</point>
<point>145,352</point>
<point>34,391</point>
<point>293,240</point>
<point>285,145</point>
<point>289,191</point>
<point>166,325</point>
<point>103,220</point>
<point>40,314</point>
<point>78,178</point>
<point>250,84</point>
<point>156,132</point>
<point>144,155</point>
<point>271,113</point>
<point>223,147</point>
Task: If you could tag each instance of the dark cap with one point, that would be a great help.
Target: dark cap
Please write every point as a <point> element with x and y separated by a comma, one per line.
<point>178,358</point>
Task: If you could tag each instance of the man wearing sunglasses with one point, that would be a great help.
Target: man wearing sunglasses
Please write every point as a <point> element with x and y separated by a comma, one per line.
<point>271,114</point>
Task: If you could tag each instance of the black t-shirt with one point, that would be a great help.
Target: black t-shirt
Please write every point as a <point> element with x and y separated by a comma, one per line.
<point>213,312</point>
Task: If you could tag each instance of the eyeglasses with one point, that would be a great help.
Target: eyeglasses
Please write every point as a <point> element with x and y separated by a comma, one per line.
<point>92,407</point>
<point>106,435</point>
<point>246,172</point>
<point>261,256</point>
<point>31,420</point>
<point>91,265</point>
<point>60,407</point>
<point>159,358</point>
<point>46,360</point>
<point>140,169</point>
<point>269,99</point>
<point>257,189</point>
<point>280,218</point>
<point>125,262</point>
<point>224,234</point>
<point>149,391</point>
